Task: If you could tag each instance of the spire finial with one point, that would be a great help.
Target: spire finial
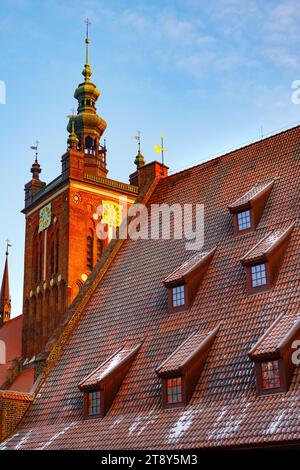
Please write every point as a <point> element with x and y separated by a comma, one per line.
<point>36,169</point>
<point>87,40</point>
<point>87,71</point>
<point>139,159</point>
<point>36,148</point>
<point>73,139</point>
<point>8,245</point>
<point>5,304</point>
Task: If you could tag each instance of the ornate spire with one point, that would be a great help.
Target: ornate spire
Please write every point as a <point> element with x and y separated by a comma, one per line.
<point>36,168</point>
<point>87,126</point>
<point>139,159</point>
<point>87,71</point>
<point>73,139</point>
<point>5,304</point>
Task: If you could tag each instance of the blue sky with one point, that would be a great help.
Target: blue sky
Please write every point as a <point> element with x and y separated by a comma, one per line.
<point>206,74</point>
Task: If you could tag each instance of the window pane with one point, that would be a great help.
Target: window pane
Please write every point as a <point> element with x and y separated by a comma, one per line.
<point>174,390</point>
<point>270,375</point>
<point>93,403</point>
<point>244,220</point>
<point>178,296</point>
<point>258,275</point>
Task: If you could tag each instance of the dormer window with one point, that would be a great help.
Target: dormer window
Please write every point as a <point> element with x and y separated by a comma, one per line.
<point>180,372</point>
<point>262,262</point>
<point>248,209</point>
<point>178,296</point>
<point>174,390</point>
<point>244,220</point>
<point>93,401</point>
<point>102,384</point>
<point>183,283</point>
<point>258,275</point>
<point>272,355</point>
<point>270,375</point>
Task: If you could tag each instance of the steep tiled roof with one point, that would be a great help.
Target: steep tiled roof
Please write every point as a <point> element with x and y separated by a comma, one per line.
<point>269,243</point>
<point>196,343</point>
<point>189,266</point>
<point>256,192</point>
<point>131,301</point>
<point>108,367</point>
<point>276,336</point>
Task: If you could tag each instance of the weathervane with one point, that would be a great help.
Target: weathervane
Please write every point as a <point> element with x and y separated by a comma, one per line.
<point>161,149</point>
<point>138,138</point>
<point>8,245</point>
<point>36,148</point>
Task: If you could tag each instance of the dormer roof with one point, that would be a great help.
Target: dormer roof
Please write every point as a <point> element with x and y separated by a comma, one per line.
<point>182,274</point>
<point>195,346</point>
<point>267,246</point>
<point>98,377</point>
<point>248,199</point>
<point>277,337</point>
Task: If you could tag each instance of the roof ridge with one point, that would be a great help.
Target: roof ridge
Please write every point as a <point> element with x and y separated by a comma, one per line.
<point>227,153</point>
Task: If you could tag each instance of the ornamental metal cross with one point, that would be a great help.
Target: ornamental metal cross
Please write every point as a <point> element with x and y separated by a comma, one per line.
<point>87,22</point>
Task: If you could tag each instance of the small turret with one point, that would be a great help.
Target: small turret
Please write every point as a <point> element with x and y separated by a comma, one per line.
<point>5,303</point>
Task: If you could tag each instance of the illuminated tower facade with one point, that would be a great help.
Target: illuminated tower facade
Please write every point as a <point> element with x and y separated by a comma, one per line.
<point>61,246</point>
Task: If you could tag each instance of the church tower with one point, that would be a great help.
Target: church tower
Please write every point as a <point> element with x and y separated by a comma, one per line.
<point>5,304</point>
<point>61,245</point>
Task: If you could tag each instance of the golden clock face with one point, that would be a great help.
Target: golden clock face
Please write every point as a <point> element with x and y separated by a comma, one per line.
<point>111,213</point>
<point>45,217</point>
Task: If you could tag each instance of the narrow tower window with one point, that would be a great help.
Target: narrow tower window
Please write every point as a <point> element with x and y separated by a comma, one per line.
<point>90,250</point>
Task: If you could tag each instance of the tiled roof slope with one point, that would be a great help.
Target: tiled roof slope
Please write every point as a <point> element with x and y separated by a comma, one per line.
<point>131,302</point>
<point>275,336</point>
<point>184,353</point>
<point>254,193</point>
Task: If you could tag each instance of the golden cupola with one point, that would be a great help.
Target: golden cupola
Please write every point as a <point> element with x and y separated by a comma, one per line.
<point>87,125</point>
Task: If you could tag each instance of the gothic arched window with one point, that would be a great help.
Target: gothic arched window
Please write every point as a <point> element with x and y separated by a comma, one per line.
<point>52,257</point>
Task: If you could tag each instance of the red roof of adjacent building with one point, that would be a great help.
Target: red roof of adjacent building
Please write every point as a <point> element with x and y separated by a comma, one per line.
<point>23,382</point>
<point>131,301</point>
<point>11,334</point>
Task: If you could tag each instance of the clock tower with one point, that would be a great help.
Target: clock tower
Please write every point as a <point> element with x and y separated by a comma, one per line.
<point>61,245</point>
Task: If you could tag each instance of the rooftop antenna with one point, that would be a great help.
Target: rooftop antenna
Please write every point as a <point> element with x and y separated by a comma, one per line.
<point>261,132</point>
